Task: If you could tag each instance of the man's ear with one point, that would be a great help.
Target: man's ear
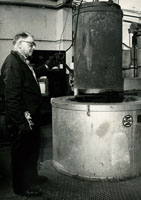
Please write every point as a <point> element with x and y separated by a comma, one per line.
<point>19,44</point>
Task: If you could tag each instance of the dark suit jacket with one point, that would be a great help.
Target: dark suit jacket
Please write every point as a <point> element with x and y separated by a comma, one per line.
<point>22,93</point>
<point>1,96</point>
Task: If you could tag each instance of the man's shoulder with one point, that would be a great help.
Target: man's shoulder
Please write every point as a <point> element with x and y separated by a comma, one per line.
<point>13,57</point>
<point>12,61</point>
<point>10,57</point>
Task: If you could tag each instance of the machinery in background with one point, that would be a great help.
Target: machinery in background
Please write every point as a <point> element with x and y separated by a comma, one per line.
<point>135,29</point>
<point>132,70</point>
<point>57,82</point>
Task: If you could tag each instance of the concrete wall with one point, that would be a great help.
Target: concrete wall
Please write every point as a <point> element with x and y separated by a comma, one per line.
<point>46,23</point>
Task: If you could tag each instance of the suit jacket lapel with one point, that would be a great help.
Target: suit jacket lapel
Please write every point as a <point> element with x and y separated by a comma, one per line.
<point>16,54</point>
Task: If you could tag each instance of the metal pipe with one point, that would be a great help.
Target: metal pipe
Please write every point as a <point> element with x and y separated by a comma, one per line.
<point>132,16</point>
<point>127,21</point>
<point>134,53</point>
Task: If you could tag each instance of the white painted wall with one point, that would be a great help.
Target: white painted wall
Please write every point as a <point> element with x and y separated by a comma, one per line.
<point>130,4</point>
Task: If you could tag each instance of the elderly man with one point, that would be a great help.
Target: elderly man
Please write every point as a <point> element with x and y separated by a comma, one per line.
<point>23,99</point>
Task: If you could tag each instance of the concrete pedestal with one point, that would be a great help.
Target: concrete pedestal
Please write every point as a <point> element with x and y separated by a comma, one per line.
<point>96,140</point>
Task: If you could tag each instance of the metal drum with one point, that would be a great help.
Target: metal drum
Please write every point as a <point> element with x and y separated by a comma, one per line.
<point>98,47</point>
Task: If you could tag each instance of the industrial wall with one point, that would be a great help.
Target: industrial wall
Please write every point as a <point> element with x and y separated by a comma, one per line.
<point>49,21</point>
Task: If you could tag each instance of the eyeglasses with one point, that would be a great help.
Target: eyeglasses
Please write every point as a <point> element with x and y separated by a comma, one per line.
<point>32,44</point>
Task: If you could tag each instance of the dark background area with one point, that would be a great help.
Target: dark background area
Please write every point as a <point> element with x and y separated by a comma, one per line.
<point>56,84</point>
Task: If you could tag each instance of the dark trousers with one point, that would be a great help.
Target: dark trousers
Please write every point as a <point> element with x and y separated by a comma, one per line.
<point>24,154</point>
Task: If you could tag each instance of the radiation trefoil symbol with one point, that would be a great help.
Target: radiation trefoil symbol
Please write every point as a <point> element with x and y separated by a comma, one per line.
<point>127,121</point>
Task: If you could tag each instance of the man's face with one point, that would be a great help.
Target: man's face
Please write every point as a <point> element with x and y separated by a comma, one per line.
<point>27,46</point>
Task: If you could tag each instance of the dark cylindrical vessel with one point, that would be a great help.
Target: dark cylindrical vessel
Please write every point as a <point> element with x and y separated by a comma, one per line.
<point>98,46</point>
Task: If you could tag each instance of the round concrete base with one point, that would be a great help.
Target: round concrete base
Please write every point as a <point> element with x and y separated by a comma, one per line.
<point>96,140</point>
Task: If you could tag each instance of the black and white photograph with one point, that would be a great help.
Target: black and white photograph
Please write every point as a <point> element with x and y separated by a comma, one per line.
<point>70,100</point>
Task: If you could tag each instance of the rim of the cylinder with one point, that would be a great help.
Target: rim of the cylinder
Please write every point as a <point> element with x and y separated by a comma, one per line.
<point>101,3</point>
<point>98,6</point>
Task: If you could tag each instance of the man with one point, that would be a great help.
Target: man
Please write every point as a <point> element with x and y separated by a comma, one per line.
<point>22,104</point>
<point>1,96</point>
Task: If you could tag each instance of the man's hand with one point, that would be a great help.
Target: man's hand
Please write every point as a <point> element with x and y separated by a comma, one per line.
<point>26,127</point>
<point>29,119</point>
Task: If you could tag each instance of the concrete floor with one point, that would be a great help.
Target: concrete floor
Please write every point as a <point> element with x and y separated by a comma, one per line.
<point>62,187</point>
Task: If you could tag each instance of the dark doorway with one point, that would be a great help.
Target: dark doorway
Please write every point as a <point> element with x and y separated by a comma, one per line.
<point>55,85</point>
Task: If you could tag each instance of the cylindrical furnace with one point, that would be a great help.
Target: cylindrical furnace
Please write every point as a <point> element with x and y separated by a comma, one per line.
<point>98,47</point>
<point>97,139</point>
